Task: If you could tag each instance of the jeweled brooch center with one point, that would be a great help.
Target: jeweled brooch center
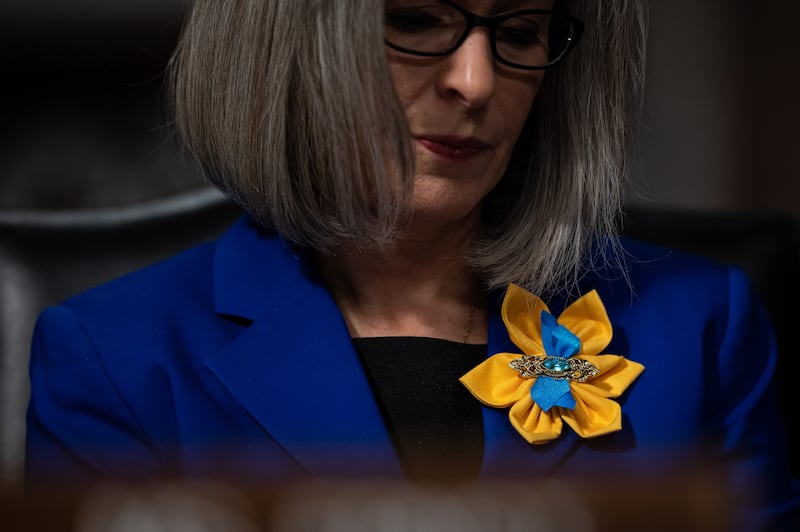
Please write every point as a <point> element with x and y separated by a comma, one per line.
<point>571,369</point>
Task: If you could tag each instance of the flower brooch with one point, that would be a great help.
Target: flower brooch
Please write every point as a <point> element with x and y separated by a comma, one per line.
<point>561,377</point>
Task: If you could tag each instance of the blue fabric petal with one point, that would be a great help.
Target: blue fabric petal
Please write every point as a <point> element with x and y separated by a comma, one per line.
<point>548,324</point>
<point>557,340</point>
<point>548,392</point>
<point>566,343</point>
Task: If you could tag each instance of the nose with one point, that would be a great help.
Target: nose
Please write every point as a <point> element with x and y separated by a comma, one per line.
<point>468,74</point>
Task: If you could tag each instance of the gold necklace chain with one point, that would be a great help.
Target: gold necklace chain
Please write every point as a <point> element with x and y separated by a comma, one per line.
<point>468,326</point>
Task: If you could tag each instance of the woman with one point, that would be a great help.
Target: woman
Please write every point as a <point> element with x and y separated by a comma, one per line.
<point>402,163</point>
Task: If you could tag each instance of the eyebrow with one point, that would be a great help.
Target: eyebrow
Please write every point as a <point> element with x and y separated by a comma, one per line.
<point>504,6</point>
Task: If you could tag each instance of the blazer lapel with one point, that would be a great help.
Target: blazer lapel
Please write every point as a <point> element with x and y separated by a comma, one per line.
<point>295,369</point>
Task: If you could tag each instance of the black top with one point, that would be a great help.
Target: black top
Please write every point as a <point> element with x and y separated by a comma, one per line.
<point>434,422</point>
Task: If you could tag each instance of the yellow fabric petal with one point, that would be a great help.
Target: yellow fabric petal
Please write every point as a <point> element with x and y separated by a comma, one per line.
<point>495,383</point>
<point>533,424</point>
<point>590,388</point>
<point>592,415</point>
<point>587,319</point>
<point>522,315</point>
<point>616,373</point>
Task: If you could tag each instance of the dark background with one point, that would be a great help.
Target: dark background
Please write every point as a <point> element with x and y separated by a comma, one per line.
<point>83,122</point>
<point>720,129</point>
<point>83,115</point>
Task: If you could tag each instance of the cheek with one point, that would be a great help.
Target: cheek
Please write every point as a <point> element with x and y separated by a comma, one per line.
<point>407,87</point>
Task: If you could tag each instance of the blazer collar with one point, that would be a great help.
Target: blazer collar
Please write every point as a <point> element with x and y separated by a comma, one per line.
<point>295,369</point>
<point>253,269</point>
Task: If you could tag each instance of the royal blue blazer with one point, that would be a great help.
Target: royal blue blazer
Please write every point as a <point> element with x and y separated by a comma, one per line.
<point>232,358</point>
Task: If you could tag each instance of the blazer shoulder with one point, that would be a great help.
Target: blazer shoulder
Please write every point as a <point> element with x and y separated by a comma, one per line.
<point>644,257</point>
<point>186,279</point>
<point>683,292</point>
<point>185,300</point>
<point>677,274</point>
<point>185,276</point>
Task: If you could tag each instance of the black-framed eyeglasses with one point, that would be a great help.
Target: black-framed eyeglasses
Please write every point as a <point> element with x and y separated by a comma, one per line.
<point>529,39</point>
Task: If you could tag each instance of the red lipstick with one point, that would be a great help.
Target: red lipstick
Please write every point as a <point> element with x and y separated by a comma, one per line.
<point>453,148</point>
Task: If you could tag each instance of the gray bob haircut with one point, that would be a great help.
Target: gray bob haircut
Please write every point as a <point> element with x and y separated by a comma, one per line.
<point>289,106</point>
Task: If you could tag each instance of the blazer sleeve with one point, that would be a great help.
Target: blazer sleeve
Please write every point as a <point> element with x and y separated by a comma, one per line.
<point>78,424</point>
<point>753,432</point>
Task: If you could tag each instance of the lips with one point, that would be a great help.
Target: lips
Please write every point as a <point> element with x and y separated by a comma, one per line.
<point>452,147</point>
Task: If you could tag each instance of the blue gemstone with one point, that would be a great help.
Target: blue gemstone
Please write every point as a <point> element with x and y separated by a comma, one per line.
<point>556,364</point>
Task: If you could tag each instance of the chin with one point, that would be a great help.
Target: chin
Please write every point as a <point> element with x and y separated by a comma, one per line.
<point>451,217</point>
<point>444,200</point>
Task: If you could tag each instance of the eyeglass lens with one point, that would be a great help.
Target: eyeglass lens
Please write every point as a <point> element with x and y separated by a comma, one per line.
<point>527,39</point>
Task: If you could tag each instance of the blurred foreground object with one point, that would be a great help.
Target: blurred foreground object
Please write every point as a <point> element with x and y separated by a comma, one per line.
<point>692,502</point>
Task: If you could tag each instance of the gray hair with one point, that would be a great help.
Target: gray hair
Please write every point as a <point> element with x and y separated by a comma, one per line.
<point>563,191</point>
<point>289,106</point>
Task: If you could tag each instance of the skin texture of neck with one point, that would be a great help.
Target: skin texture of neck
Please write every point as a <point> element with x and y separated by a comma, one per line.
<point>417,286</point>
